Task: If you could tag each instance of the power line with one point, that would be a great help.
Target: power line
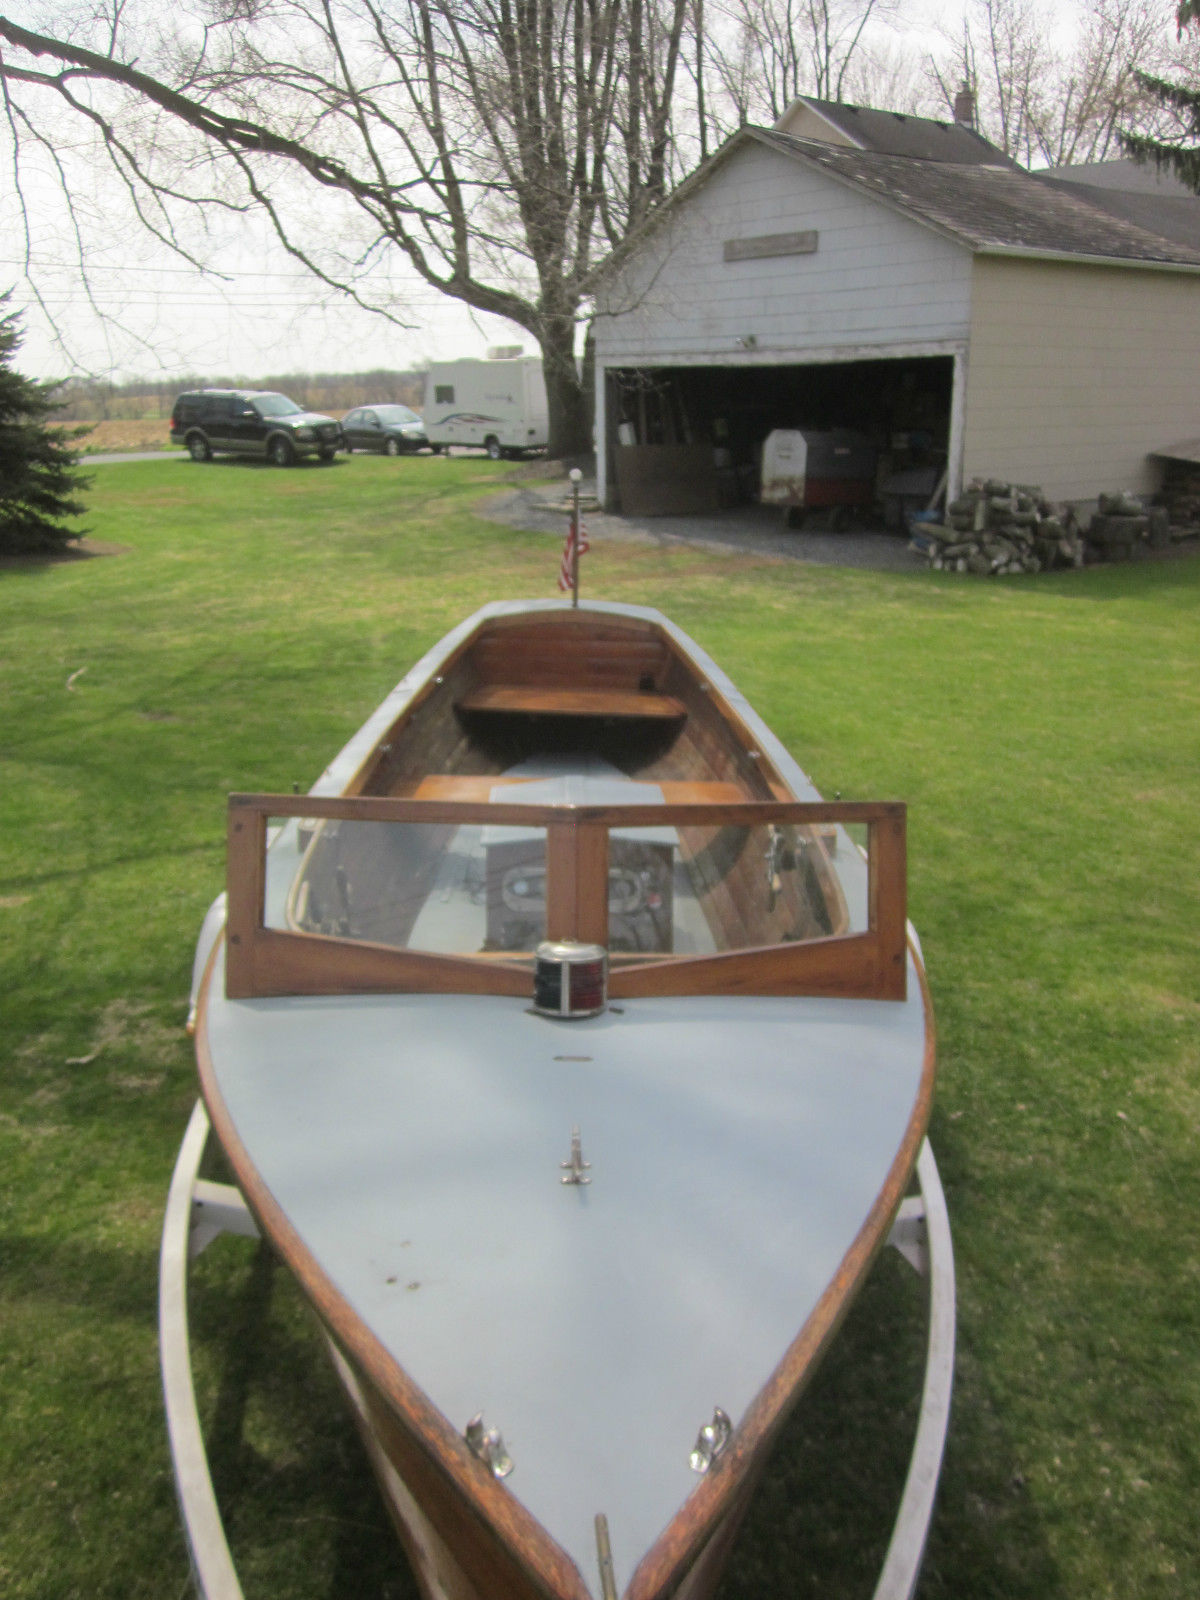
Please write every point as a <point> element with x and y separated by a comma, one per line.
<point>267,303</point>
<point>141,295</point>
<point>188,272</point>
<point>212,278</point>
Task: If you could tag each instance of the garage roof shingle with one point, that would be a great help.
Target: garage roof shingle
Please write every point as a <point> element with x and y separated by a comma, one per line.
<point>896,134</point>
<point>988,207</point>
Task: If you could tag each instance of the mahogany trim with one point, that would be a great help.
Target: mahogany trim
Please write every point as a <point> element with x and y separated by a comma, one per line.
<point>667,1563</point>
<point>279,962</point>
<point>445,1464</point>
<point>264,961</point>
<point>534,700</point>
<point>577,882</point>
<point>447,1467</point>
<point>846,966</point>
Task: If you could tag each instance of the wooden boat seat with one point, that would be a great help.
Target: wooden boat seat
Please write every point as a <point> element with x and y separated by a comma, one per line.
<point>539,700</point>
<point>479,789</point>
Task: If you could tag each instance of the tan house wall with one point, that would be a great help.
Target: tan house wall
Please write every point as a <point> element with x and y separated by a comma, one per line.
<point>1077,372</point>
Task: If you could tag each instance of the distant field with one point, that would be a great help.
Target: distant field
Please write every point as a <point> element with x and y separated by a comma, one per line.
<point>103,437</point>
<point>331,393</point>
<point>1044,734</point>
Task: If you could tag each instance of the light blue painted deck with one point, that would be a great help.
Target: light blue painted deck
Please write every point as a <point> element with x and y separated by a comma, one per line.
<point>736,1149</point>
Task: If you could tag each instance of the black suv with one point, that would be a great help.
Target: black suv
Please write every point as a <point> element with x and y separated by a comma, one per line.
<point>246,423</point>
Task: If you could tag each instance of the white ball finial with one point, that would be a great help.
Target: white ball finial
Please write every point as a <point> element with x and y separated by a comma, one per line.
<point>575,475</point>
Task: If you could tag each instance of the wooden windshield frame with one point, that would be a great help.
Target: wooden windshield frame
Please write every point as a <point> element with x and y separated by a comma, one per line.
<point>262,961</point>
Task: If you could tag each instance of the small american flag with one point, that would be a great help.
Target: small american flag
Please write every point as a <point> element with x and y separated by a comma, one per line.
<point>566,567</point>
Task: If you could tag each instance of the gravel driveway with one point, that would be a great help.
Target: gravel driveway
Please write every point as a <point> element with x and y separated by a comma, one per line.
<point>543,508</point>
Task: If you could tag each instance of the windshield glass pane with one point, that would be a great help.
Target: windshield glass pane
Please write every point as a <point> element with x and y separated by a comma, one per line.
<point>396,414</point>
<point>474,889</point>
<point>736,888</point>
<point>276,405</point>
<point>431,886</point>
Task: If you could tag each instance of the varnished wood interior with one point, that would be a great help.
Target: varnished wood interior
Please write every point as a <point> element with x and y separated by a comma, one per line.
<point>525,689</point>
<point>576,682</point>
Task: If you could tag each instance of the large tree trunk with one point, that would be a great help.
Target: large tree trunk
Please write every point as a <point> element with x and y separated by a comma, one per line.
<point>570,433</point>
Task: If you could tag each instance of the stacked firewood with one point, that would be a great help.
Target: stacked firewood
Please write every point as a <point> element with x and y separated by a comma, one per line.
<point>995,528</point>
<point>1180,496</point>
<point>1122,521</point>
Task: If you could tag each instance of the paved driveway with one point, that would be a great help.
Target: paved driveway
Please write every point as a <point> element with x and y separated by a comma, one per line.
<point>758,529</point>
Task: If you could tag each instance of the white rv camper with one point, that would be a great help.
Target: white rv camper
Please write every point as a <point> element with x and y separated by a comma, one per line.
<point>498,404</point>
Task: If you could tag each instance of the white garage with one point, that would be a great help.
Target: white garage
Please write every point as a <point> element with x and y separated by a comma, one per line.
<point>967,317</point>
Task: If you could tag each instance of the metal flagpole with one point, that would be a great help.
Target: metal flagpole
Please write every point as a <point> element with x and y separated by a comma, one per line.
<point>575,476</point>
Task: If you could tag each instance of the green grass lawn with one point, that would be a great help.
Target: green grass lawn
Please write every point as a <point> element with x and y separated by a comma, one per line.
<point>1044,733</point>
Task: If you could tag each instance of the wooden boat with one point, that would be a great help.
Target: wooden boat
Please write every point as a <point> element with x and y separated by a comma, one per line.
<point>575,1057</point>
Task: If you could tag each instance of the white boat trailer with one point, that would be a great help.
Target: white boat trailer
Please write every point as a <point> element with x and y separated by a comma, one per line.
<point>199,1211</point>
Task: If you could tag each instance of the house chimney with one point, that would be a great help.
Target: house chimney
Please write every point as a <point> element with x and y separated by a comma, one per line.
<point>964,106</point>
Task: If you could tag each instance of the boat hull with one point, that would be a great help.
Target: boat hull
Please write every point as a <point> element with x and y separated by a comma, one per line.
<point>402,1151</point>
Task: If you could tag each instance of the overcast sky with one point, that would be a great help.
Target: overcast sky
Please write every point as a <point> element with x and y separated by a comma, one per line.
<point>257,313</point>
<point>143,312</point>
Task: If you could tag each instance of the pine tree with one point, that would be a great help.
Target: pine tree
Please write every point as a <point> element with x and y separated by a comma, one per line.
<point>1182,159</point>
<point>38,476</point>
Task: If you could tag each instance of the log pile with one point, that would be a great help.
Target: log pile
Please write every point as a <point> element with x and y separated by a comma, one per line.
<point>1121,522</point>
<point>995,528</point>
<point>1180,496</point>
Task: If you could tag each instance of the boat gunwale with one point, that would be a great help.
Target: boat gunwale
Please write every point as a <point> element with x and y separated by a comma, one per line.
<point>677,1547</point>
<point>433,1433</point>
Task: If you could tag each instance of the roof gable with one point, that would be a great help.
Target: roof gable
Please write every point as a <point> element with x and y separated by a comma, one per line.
<point>893,133</point>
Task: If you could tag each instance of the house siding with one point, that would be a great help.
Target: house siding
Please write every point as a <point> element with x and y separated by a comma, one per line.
<point>876,284</point>
<point>1076,372</point>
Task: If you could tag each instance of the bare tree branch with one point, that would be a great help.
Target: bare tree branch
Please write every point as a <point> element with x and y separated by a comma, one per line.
<point>1053,103</point>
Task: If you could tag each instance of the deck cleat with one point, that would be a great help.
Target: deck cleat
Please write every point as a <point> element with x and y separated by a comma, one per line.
<point>710,1441</point>
<point>575,1166</point>
<point>488,1445</point>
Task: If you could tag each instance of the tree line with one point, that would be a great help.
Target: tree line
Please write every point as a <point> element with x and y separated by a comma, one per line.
<point>149,399</point>
<point>1052,101</point>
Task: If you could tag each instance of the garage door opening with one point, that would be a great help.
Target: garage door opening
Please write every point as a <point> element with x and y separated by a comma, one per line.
<point>691,439</point>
